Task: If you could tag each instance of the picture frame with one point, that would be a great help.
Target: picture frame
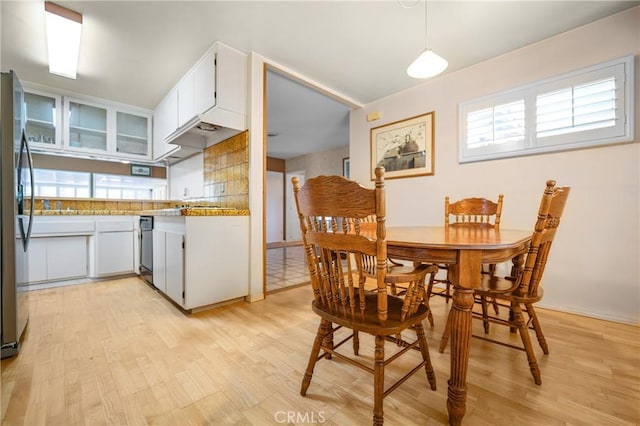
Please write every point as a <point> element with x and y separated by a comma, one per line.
<point>346,167</point>
<point>405,147</point>
<point>140,170</point>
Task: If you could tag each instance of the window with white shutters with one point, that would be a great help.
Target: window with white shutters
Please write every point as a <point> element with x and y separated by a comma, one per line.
<point>584,108</point>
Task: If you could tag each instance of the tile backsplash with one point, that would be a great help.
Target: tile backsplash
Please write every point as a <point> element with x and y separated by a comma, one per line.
<point>226,184</point>
<point>226,172</point>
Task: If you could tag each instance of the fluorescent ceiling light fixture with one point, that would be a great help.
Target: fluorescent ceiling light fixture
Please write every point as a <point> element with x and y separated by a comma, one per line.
<point>428,63</point>
<point>63,39</point>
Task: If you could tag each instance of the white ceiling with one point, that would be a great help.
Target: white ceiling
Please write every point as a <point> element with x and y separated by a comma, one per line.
<point>135,51</point>
<point>300,120</point>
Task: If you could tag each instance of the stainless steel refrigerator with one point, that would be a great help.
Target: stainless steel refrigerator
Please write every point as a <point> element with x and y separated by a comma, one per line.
<point>16,207</point>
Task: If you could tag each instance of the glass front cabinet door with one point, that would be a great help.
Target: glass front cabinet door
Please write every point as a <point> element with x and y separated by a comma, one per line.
<point>108,130</point>
<point>43,118</point>
<point>132,134</point>
<point>86,128</point>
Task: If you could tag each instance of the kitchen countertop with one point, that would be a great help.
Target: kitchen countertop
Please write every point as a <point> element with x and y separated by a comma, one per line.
<point>197,211</point>
<point>162,212</point>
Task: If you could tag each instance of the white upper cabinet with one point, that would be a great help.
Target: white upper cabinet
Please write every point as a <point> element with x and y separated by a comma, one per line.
<point>132,134</point>
<point>86,128</point>
<point>204,79</point>
<point>165,117</point>
<point>43,118</point>
<point>186,100</point>
<point>79,125</point>
<point>213,91</point>
<point>165,121</point>
<point>113,131</point>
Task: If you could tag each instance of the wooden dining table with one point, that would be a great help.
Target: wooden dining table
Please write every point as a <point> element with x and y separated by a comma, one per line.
<point>465,248</point>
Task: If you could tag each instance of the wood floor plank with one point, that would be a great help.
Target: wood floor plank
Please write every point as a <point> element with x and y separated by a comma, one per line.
<point>118,353</point>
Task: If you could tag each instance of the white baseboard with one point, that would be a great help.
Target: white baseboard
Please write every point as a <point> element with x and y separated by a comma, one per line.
<point>569,310</point>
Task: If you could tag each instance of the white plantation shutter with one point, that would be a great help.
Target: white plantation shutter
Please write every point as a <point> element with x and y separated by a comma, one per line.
<point>496,125</point>
<point>584,108</point>
<point>578,108</point>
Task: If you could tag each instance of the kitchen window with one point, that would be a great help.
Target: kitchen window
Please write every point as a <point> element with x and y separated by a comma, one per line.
<point>128,187</point>
<point>588,107</point>
<point>72,184</point>
<point>61,183</point>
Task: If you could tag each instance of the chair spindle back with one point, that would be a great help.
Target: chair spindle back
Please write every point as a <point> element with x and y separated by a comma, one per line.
<point>473,210</point>
<point>549,214</point>
<point>331,210</point>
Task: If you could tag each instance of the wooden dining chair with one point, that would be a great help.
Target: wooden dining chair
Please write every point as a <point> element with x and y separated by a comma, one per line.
<point>331,210</point>
<point>395,270</point>
<point>519,294</point>
<point>468,212</point>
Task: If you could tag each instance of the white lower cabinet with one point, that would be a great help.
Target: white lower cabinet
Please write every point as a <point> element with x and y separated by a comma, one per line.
<point>201,260</point>
<point>159,260</point>
<point>114,246</point>
<point>175,266</point>
<point>68,247</point>
<point>37,264</point>
<point>114,253</point>
<point>168,263</point>
<point>57,258</point>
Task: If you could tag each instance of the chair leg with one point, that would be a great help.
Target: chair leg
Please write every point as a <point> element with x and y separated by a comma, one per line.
<point>538,329</point>
<point>485,316</point>
<point>429,290</point>
<point>512,318</point>
<point>444,341</point>
<point>328,339</point>
<point>323,329</point>
<point>425,302</point>
<point>526,342</point>
<point>430,317</point>
<point>356,343</point>
<point>492,269</point>
<point>378,382</point>
<point>424,349</point>
<point>494,302</point>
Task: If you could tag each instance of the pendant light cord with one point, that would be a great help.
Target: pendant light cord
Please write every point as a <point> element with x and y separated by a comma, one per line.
<point>411,6</point>
<point>426,45</point>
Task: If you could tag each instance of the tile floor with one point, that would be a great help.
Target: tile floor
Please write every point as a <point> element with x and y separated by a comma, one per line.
<point>286,267</point>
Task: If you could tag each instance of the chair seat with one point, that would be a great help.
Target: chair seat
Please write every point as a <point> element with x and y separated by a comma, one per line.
<point>367,321</point>
<point>503,288</point>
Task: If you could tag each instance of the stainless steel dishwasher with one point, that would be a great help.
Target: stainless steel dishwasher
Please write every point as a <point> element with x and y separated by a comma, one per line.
<point>146,248</point>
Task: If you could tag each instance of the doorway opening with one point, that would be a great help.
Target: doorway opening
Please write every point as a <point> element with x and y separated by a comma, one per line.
<point>306,135</point>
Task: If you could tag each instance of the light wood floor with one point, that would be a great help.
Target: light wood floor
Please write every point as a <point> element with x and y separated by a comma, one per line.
<point>118,353</point>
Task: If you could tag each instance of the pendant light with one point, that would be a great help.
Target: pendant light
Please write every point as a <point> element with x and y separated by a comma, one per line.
<point>428,63</point>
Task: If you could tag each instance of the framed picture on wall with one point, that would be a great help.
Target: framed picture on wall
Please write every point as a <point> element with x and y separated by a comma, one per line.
<point>346,167</point>
<point>404,147</point>
<point>140,170</point>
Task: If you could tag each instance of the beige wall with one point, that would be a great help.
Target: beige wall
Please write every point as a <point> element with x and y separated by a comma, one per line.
<point>186,178</point>
<point>319,163</point>
<point>58,162</point>
<point>594,265</point>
